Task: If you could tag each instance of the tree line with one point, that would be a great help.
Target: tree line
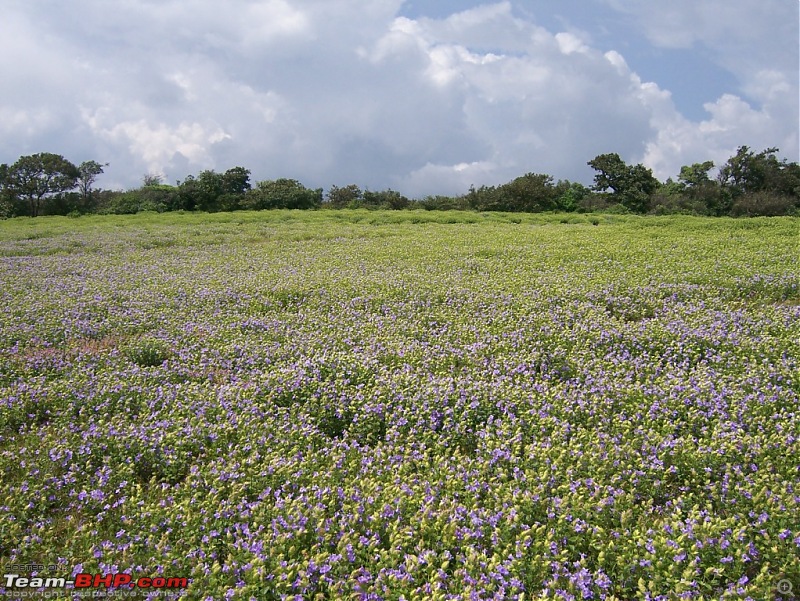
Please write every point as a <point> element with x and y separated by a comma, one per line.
<point>750,183</point>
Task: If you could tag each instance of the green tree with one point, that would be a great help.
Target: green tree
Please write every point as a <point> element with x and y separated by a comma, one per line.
<point>531,193</point>
<point>212,191</point>
<point>236,180</point>
<point>570,194</point>
<point>88,171</point>
<point>282,194</point>
<point>749,172</point>
<point>752,179</point>
<point>348,196</point>
<point>697,192</point>
<point>696,174</point>
<point>385,199</point>
<point>152,179</point>
<point>6,203</point>
<point>631,185</point>
<point>485,198</point>
<point>35,178</point>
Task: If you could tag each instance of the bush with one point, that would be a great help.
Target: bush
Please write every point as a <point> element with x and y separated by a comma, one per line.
<point>282,194</point>
<point>339,198</point>
<point>444,203</point>
<point>671,204</point>
<point>386,199</point>
<point>594,203</point>
<point>148,352</point>
<point>766,204</point>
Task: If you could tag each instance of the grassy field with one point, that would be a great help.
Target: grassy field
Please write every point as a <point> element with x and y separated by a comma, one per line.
<point>404,405</point>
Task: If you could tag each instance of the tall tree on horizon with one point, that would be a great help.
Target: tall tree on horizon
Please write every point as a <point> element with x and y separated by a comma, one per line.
<point>35,177</point>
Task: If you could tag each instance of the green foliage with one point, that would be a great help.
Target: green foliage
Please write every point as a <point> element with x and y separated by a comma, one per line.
<point>444,203</point>
<point>34,178</point>
<point>631,185</point>
<point>348,196</point>
<point>211,191</point>
<point>147,351</point>
<point>157,198</point>
<point>748,184</point>
<point>769,204</point>
<point>696,175</point>
<point>570,195</point>
<point>6,197</point>
<point>385,199</point>
<point>750,173</point>
<point>282,194</point>
<point>530,193</point>
<point>88,172</point>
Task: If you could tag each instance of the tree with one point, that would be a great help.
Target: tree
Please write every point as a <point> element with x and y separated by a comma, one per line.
<point>282,194</point>
<point>485,198</point>
<point>212,191</point>
<point>236,181</point>
<point>385,199</point>
<point>569,195</point>
<point>152,179</point>
<point>695,175</point>
<point>631,185</point>
<point>6,204</point>
<point>36,177</point>
<point>348,196</point>
<point>748,172</point>
<point>87,175</point>
<point>532,193</point>
<point>761,176</point>
<point>696,191</point>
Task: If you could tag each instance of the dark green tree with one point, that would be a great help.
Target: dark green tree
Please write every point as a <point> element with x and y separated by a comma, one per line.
<point>385,199</point>
<point>696,174</point>
<point>570,194</point>
<point>532,193</point>
<point>750,179</point>
<point>347,196</point>
<point>282,194</point>
<point>697,191</point>
<point>88,171</point>
<point>749,172</point>
<point>630,185</point>
<point>212,191</point>
<point>35,178</point>
<point>236,180</point>
<point>6,199</point>
<point>485,198</point>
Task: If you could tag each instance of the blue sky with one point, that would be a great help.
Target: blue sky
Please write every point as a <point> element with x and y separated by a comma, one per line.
<point>425,97</point>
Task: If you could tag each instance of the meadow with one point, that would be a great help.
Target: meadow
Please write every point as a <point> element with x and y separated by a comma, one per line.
<point>404,405</point>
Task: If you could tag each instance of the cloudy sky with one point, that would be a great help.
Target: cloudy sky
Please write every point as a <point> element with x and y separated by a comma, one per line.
<point>423,96</point>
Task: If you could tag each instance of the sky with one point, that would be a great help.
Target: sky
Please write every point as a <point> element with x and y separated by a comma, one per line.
<point>420,96</point>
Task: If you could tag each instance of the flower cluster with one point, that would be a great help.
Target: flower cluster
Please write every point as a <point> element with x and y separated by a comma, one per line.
<point>285,406</point>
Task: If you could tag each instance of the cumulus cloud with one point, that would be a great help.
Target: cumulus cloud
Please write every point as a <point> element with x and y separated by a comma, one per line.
<point>351,92</point>
<point>751,40</point>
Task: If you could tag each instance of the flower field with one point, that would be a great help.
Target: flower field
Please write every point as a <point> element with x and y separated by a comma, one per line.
<point>404,405</point>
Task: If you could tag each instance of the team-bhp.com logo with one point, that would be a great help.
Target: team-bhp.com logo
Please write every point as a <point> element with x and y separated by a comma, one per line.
<point>94,581</point>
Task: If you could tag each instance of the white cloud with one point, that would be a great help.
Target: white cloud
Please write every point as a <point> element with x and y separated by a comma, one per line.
<point>744,35</point>
<point>348,92</point>
<point>757,42</point>
<point>158,144</point>
<point>569,43</point>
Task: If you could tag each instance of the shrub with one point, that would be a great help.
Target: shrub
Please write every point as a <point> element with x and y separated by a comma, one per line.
<point>282,194</point>
<point>763,203</point>
<point>148,352</point>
